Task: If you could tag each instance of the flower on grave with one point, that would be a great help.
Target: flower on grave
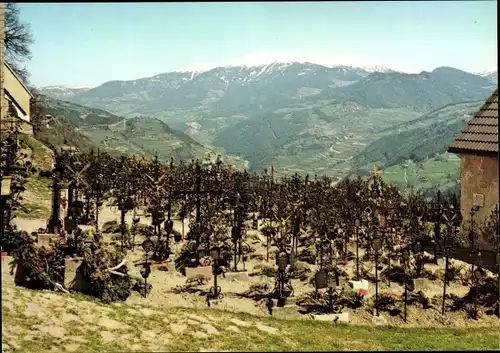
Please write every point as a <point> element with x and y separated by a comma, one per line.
<point>392,295</point>
<point>362,292</point>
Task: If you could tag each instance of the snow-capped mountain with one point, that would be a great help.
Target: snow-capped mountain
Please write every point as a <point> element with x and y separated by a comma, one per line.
<point>295,108</point>
<point>264,59</point>
<point>68,87</point>
<point>241,86</point>
<point>487,72</point>
<point>305,74</point>
<point>235,85</point>
<point>490,75</point>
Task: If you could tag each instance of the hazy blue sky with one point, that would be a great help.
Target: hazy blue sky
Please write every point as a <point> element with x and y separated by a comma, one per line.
<point>88,44</point>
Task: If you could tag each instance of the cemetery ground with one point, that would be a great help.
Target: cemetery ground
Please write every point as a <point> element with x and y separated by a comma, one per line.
<point>43,321</point>
<point>175,317</point>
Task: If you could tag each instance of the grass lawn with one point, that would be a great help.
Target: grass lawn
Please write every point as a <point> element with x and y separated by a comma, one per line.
<point>132,330</point>
<point>36,199</point>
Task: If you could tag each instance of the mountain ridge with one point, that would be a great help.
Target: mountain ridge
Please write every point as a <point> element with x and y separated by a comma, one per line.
<point>299,117</point>
<point>195,71</point>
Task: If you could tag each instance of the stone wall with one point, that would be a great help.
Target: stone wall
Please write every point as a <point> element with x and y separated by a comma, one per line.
<point>478,186</point>
<point>10,123</point>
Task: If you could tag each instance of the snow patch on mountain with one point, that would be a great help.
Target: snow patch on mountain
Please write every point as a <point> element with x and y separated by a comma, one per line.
<point>66,87</point>
<point>265,61</point>
<point>487,72</point>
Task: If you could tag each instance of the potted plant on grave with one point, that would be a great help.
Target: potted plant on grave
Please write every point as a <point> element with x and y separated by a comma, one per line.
<point>388,301</point>
<point>356,298</point>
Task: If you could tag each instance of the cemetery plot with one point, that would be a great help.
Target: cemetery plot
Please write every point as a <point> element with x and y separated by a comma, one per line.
<point>214,236</point>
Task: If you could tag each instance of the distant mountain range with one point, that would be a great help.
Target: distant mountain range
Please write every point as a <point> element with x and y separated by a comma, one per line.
<point>298,116</point>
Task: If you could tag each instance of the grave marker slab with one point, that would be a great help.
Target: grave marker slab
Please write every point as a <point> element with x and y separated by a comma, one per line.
<point>420,284</point>
<point>44,239</point>
<point>8,262</point>
<point>237,276</point>
<point>357,285</point>
<point>339,318</point>
<point>290,302</point>
<point>206,271</point>
<point>73,275</point>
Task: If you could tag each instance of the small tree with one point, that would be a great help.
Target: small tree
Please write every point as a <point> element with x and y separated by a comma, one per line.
<point>18,40</point>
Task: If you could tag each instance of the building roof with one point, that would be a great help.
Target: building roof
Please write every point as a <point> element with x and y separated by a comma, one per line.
<point>18,78</point>
<point>481,132</point>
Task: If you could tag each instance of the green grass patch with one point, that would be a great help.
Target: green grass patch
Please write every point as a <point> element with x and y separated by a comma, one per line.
<point>30,210</point>
<point>39,187</point>
<point>440,172</point>
<point>292,335</point>
<point>41,156</point>
<point>35,202</point>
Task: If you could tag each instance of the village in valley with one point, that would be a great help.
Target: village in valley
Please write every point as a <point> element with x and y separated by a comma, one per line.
<point>142,253</point>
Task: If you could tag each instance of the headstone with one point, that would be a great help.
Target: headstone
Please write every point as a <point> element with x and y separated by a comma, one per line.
<point>213,302</point>
<point>290,302</point>
<point>8,262</point>
<point>73,275</point>
<point>321,279</point>
<point>206,271</point>
<point>338,318</point>
<point>357,285</point>
<point>237,276</point>
<point>44,239</point>
<point>331,280</point>
<point>69,224</point>
<point>419,284</point>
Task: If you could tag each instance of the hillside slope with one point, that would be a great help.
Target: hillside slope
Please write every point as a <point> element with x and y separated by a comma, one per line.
<point>144,136</point>
<point>422,92</point>
<point>420,138</point>
<point>414,153</point>
<point>86,127</point>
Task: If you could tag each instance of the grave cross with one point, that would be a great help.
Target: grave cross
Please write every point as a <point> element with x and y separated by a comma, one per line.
<point>297,205</point>
<point>123,189</point>
<point>54,224</point>
<point>76,180</point>
<point>95,187</point>
<point>237,230</point>
<point>78,175</point>
<point>198,192</point>
<point>450,213</point>
<point>169,224</point>
<point>158,187</point>
<point>158,197</point>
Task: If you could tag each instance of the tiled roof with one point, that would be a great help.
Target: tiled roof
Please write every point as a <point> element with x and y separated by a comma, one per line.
<point>481,133</point>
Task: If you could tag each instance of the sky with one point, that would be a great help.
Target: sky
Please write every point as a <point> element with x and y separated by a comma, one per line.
<point>87,44</point>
